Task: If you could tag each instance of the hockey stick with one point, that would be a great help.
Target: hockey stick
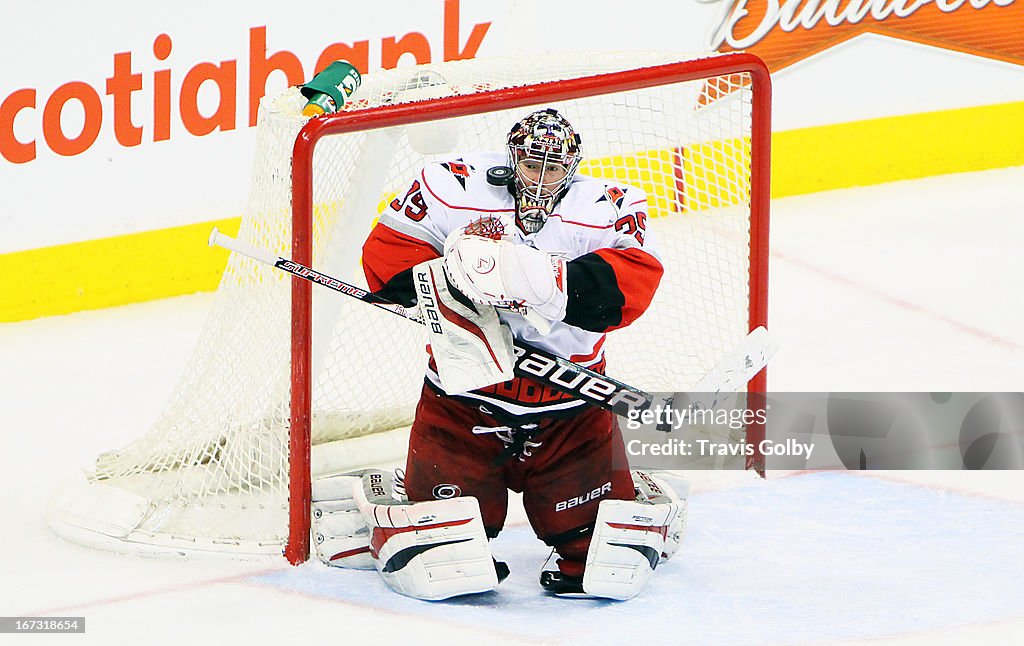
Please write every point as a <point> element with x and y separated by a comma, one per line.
<point>559,373</point>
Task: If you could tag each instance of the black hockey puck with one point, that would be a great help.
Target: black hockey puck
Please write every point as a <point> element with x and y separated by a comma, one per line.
<point>499,176</point>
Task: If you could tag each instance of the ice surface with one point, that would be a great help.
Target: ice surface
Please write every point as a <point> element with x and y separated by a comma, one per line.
<point>824,556</point>
<point>908,286</point>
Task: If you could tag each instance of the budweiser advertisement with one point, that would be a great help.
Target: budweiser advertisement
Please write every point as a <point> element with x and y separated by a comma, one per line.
<point>783,33</point>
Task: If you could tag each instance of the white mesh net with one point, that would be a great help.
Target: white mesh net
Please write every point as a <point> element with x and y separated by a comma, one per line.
<point>212,473</point>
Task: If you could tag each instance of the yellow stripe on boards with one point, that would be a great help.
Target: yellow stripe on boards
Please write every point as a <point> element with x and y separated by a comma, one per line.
<point>170,262</point>
<point>716,174</point>
<point>862,153</point>
<point>112,271</point>
<point>653,171</point>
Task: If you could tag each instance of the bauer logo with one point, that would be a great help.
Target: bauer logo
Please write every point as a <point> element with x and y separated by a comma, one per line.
<point>576,501</point>
<point>783,32</point>
<point>376,485</point>
<point>427,302</point>
<point>651,484</point>
<point>577,383</point>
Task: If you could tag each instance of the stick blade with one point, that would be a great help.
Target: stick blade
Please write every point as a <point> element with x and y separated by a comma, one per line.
<point>733,372</point>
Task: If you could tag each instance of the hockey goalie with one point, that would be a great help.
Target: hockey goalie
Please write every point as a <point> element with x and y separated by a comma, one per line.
<point>494,247</point>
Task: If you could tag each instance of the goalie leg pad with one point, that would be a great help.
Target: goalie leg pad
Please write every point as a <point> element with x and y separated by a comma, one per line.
<point>628,541</point>
<point>657,487</point>
<point>428,550</point>
<point>341,537</point>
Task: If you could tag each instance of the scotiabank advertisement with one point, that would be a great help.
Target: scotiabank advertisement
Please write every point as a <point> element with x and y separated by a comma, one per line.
<point>126,119</point>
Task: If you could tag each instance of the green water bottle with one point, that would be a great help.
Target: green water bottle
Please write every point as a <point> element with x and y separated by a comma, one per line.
<point>329,89</point>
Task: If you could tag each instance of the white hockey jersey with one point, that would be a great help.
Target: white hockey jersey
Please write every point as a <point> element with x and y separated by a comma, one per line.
<point>600,227</point>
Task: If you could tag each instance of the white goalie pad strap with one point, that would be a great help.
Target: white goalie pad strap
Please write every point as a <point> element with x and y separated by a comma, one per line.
<point>628,540</point>
<point>471,347</point>
<point>506,274</point>
<point>659,487</point>
<point>427,550</point>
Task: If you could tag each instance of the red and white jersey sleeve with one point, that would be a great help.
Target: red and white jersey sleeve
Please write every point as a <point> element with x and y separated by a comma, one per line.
<point>441,198</point>
<point>600,227</point>
<point>613,283</point>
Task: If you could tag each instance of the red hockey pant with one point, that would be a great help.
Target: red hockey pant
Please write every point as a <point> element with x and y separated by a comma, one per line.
<point>580,461</point>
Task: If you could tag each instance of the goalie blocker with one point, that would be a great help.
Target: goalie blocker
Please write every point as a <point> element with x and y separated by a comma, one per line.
<point>471,347</point>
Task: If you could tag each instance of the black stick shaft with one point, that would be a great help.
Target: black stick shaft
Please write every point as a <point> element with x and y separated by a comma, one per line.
<point>533,363</point>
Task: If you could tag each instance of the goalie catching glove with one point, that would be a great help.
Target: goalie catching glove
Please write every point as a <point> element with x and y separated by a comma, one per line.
<point>426,550</point>
<point>505,274</point>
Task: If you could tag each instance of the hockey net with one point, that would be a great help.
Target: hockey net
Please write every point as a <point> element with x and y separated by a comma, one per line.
<point>212,474</point>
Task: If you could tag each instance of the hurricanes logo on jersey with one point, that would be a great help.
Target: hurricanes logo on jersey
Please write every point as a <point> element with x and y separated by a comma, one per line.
<point>446,491</point>
<point>459,170</point>
<point>613,194</point>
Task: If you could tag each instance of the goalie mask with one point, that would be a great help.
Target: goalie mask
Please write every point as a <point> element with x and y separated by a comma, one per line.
<point>544,153</point>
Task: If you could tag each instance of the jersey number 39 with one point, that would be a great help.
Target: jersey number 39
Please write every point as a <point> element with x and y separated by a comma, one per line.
<point>415,207</point>
<point>633,225</point>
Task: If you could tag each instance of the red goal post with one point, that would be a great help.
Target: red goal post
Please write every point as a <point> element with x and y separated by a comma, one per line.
<point>302,177</point>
